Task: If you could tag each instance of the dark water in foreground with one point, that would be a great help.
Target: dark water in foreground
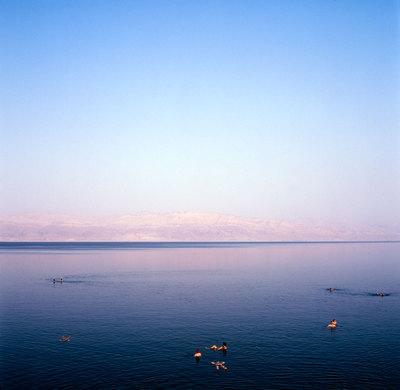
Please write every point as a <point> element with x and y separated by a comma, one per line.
<point>136,314</point>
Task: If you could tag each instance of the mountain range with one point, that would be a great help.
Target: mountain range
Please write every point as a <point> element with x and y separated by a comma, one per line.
<point>180,226</point>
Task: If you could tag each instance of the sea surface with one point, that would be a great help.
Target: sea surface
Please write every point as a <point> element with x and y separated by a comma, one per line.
<point>137,312</point>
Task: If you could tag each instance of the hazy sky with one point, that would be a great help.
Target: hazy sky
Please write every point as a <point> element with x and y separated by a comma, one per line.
<point>271,109</point>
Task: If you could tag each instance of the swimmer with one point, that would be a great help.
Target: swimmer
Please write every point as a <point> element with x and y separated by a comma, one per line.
<point>54,281</point>
<point>219,364</point>
<point>214,347</point>
<point>331,289</point>
<point>224,347</point>
<point>197,354</point>
<point>381,294</point>
<point>61,280</point>
<point>332,324</point>
<point>65,338</point>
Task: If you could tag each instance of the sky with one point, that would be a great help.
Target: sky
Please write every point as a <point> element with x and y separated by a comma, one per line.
<point>268,109</point>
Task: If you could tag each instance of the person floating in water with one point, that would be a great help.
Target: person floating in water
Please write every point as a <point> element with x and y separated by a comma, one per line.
<point>54,281</point>
<point>61,280</point>
<point>381,294</point>
<point>64,339</point>
<point>197,355</point>
<point>219,364</point>
<point>332,324</point>
<point>224,347</point>
<point>331,289</point>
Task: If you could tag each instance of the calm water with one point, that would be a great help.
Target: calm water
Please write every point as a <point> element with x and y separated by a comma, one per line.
<point>136,314</point>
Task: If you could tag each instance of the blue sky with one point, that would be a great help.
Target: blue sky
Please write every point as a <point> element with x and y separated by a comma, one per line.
<point>268,109</point>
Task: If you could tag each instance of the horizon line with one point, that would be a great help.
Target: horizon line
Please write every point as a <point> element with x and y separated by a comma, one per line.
<point>205,242</point>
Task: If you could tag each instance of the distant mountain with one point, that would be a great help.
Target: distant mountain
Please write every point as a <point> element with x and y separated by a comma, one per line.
<point>184,226</point>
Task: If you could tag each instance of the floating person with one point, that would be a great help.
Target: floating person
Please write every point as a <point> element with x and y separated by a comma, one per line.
<point>219,364</point>
<point>331,289</point>
<point>54,281</point>
<point>61,280</point>
<point>224,347</point>
<point>381,294</point>
<point>197,355</point>
<point>332,324</point>
<point>64,339</point>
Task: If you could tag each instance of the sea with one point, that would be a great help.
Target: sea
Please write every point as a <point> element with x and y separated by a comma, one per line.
<point>137,312</point>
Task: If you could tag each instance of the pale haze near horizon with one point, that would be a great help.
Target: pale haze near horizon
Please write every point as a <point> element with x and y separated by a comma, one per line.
<point>266,109</point>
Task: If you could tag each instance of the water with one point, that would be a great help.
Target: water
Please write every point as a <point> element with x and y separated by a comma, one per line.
<point>137,313</point>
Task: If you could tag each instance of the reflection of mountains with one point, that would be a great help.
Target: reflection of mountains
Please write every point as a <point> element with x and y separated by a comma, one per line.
<point>187,226</point>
